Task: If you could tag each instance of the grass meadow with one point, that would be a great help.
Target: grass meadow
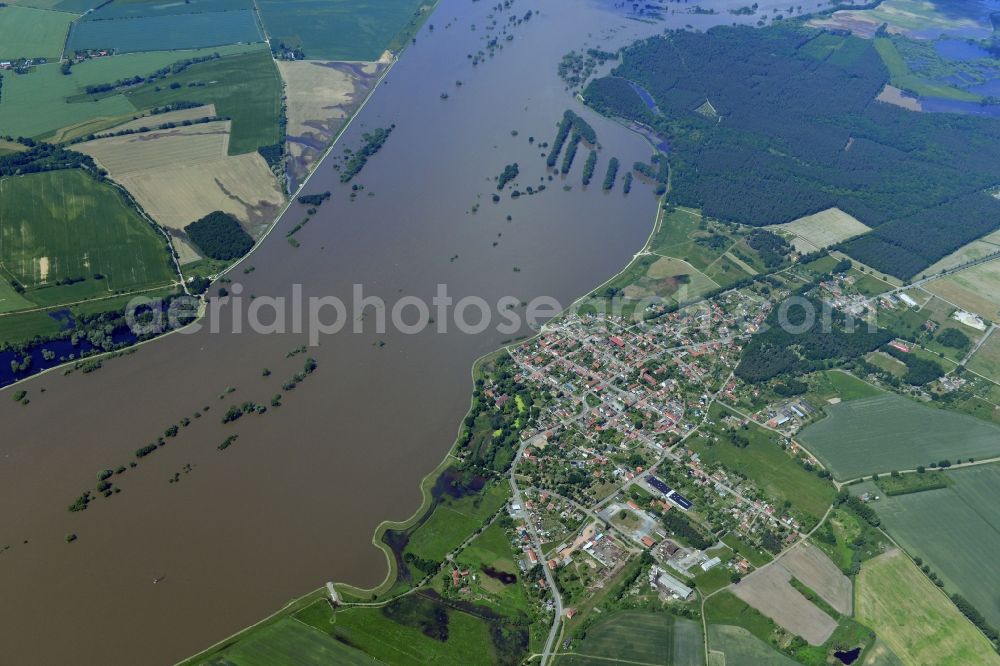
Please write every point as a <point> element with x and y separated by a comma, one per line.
<point>369,629</point>
<point>889,432</point>
<point>64,224</point>
<point>918,623</point>
<point>493,549</point>
<point>289,642</point>
<point>652,638</point>
<point>768,466</point>
<point>26,32</point>
<point>453,521</point>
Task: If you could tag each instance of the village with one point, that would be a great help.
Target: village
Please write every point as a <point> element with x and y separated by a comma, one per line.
<point>607,471</point>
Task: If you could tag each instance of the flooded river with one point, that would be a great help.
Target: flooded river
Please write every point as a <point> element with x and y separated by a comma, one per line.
<point>231,535</point>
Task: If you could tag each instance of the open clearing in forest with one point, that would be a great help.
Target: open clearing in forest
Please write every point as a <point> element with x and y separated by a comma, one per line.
<point>914,618</point>
<point>653,638</point>
<point>811,566</point>
<point>956,530</point>
<point>32,33</point>
<point>889,432</point>
<point>822,229</point>
<point>770,592</point>
<point>896,97</point>
<point>182,174</point>
<point>975,289</point>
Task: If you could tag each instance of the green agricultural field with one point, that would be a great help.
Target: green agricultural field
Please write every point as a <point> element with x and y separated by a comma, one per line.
<point>767,465</point>
<point>32,33</point>
<point>986,361</point>
<point>342,29</point>
<point>71,6</point>
<point>640,637</point>
<point>741,648</point>
<point>166,32</point>
<point>890,432</point>
<point>35,104</point>
<point>292,643</point>
<point>955,530</point>
<point>246,88</point>
<point>453,521</point>
<point>145,8</point>
<point>914,618</point>
<point>64,224</point>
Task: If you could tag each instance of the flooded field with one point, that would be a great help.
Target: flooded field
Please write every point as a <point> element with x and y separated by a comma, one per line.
<point>226,522</point>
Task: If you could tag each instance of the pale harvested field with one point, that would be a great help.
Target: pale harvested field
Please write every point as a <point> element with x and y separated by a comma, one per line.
<point>976,289</point>
<point>977,249</point>
<point>195,144</point>
<point>914,618</point>
<point>178,116</point>
<point>814,569</point>
<point>896,97</point>
<point>823,229</point>
<point>769,591</point>
<point>7,147</point>
<point>320,97</point>
<point>186,253</point>
<point>241,185</point>
<point>182,174</point>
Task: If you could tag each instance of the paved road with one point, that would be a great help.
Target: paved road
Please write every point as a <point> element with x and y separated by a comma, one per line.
<point>537,544</point>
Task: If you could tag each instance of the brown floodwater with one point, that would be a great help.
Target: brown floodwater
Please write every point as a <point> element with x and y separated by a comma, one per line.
<point>294,501</point>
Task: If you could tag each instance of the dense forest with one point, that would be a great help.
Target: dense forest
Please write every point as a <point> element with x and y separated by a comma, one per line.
<point>798,348</point>
<point>219,236</point>
<point>777,143</point>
